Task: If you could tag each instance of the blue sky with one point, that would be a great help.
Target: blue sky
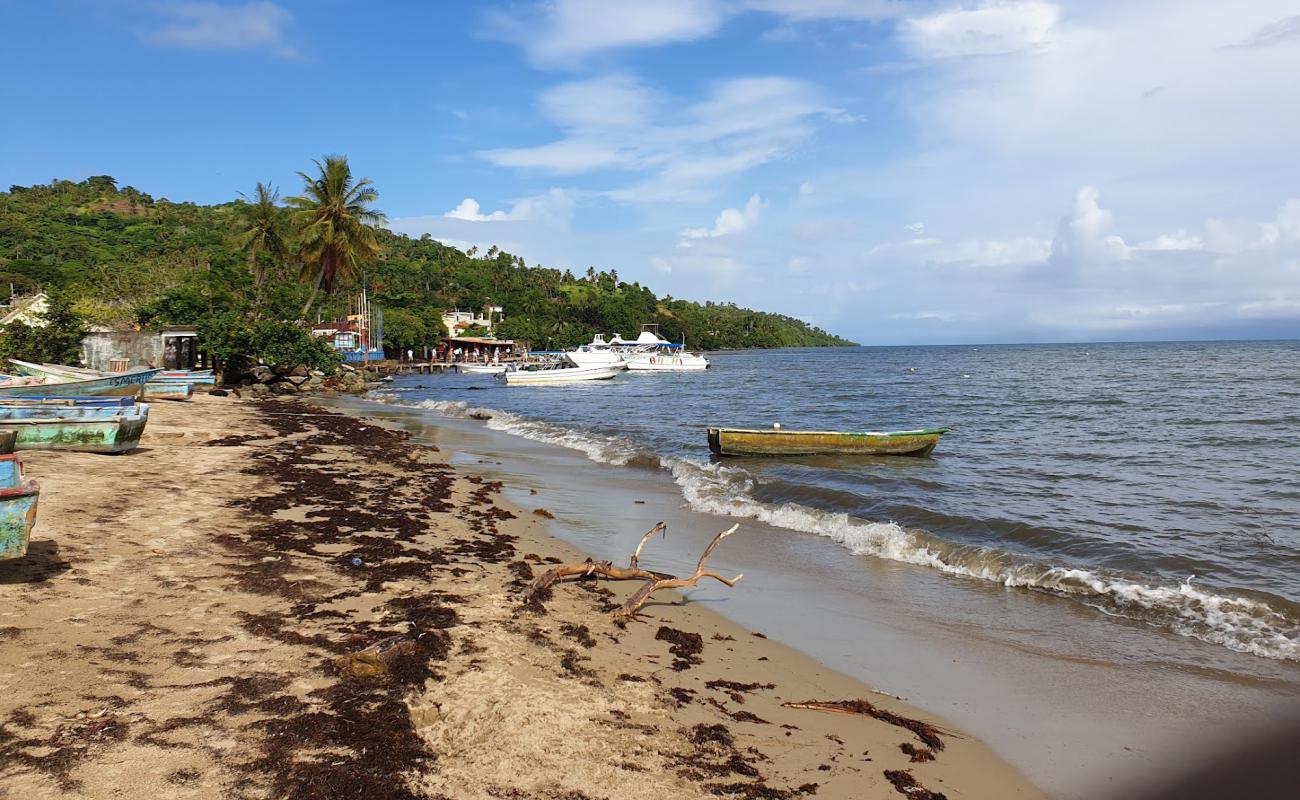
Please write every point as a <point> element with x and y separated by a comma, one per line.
<point>899,172</point>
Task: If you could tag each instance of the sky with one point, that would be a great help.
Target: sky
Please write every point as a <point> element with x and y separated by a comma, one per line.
<point>898,172</point>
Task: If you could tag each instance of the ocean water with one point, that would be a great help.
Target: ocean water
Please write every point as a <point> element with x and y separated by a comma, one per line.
<point>1155,485</point>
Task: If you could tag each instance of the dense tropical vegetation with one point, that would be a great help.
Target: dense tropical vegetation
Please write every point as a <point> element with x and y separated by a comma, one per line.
<point>244,271</point>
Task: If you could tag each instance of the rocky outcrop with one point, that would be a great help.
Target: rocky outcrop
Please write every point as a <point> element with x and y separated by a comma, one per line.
<point>263,381</point>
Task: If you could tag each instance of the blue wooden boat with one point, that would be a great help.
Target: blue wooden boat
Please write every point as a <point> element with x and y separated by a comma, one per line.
<point>114,385</point>
<point>87,429</point>
<point>11,411</point>
<point>60,400</point>
<point>18,498</point>
<point>159,386</point>
<point>168,390</point>
<point>197,376</point>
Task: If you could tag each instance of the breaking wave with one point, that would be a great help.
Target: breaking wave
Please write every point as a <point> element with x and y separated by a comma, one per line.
<point>1236,622</point>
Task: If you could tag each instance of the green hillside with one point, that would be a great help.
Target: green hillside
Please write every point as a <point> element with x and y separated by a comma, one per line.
<point>124,257</point>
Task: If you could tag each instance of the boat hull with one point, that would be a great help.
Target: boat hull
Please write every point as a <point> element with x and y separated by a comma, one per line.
<point>84,429</point>
<point>550,377</point>
<point>480,369</point>
<point>168,390</point>
<point>739,442</point>
<point>667,364</point>
<point>18,500</point>
<point>592,359</point>
<point>61,401</point>
<point>126,384</point>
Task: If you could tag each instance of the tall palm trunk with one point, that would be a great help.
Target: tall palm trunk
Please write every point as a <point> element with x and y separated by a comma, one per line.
<point>315,289</point>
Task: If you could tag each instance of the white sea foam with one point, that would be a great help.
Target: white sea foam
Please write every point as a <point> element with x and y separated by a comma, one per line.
<point>1238,623</point>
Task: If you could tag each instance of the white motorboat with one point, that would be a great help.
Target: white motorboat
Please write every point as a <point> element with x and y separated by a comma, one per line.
<point>650,352</point>
<point>542,374</point>
<point>666,360</point>
<point>596,353</point>
<point>480,369</point>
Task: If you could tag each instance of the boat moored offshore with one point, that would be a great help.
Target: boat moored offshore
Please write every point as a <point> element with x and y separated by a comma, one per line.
<point>776,441</point>
<point>596,353</point>
<point>542,374</point>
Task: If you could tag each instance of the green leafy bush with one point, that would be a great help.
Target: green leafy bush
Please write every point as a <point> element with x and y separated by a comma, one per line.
<point>237,345</point>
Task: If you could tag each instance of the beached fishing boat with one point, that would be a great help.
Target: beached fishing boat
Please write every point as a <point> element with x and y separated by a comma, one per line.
<point>542,374</point>
<point>59,400</point>
<point>777,441</point>
<point>159,387</point>
<point>194,375</point>
<point>114,385</point>
<point>168,390</point>
<point>18,498</point>
<point>87,429</point>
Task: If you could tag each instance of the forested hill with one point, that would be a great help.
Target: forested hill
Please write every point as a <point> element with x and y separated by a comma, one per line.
<point>124,257</point>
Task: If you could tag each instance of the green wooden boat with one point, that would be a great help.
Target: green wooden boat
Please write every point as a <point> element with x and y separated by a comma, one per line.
<point>18,498</point>
<point>777,441</point>
<point>83,429</point>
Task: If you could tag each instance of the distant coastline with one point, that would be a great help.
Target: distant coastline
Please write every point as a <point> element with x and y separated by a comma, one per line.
<point>125,259</point>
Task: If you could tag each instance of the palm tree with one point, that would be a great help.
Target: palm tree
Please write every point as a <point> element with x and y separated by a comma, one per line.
<point>335,224</point>
<point>262,228</point>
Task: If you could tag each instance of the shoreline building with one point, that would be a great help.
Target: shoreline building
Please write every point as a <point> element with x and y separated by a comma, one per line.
<point>359,337</point>
<point>457,322</point>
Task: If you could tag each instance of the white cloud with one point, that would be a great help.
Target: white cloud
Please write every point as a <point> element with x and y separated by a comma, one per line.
<point>563,32</point>
<point>554,206</point>
<point>999,27</point>
<point>209,26</point>
<point>1172,242</point>
<point>976,253</point>
<point>1279,32</point>
<point>1084,236</point>
<point>612,101</point>
<point>728,222</point>
<point>469,210</point>
<point>810,10</point>
<point>680,150</point>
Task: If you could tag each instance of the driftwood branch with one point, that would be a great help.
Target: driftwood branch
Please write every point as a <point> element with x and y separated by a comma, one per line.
<point>603,568</point>
<point>927,733</point>
<point>634,603</point>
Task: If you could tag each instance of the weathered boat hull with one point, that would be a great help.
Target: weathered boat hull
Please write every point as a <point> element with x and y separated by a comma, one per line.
<point>551,377</point>
<point>69,401</point>
<point>777,442</point>
<point>127,384</point>
<point>168,390</point>
<point>83,429</point>
<point>18,501</point>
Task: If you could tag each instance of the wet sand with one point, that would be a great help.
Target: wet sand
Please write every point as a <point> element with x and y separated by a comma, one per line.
<point>267,600</point>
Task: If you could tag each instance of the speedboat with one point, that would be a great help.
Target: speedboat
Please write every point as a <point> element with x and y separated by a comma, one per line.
<point>596,353</point>
<point>650,352</point>
<point>480,369</point>
<point>541,374</point>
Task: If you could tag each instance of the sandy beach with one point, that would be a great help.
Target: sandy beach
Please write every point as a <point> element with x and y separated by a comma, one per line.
<point>270,600</point>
